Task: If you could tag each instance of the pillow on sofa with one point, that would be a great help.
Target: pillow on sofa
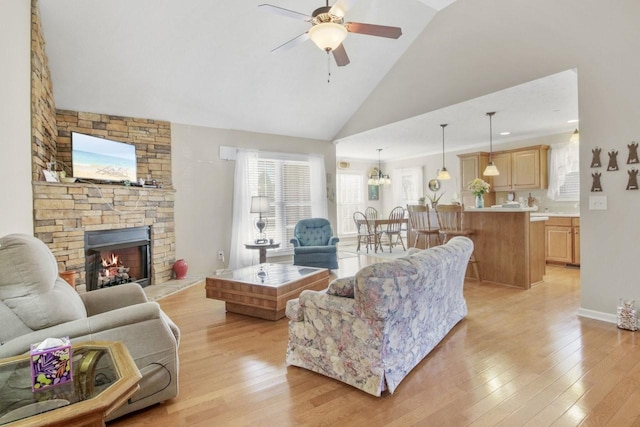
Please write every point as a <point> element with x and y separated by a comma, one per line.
<point>342,287</point>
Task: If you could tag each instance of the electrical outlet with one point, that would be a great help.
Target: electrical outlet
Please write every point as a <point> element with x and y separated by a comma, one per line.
<point>221,255</point>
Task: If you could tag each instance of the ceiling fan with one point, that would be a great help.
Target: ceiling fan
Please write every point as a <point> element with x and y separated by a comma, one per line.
<point>328,29</point>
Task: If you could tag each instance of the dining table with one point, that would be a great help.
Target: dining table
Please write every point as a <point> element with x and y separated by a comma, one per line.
<point>379,225</point>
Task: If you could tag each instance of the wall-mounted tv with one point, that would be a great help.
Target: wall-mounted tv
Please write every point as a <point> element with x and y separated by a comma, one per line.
<point>102,159</point>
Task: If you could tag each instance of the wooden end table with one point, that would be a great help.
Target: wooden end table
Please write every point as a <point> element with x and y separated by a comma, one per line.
<point>263,290</point>
<point>85,401</point>
<point>262,247</point>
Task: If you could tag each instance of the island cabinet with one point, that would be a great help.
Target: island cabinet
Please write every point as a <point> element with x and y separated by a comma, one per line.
<point>471,167</point>
<point>563,240</point>
<point>508,245</point>
<point>521,169</point>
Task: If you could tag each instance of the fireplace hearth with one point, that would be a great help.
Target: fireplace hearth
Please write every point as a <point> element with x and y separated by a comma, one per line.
<point>114,257</point>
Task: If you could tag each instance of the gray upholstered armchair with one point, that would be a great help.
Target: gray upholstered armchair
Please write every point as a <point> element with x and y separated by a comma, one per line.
<point>36,304</point>
<point>314,244</point>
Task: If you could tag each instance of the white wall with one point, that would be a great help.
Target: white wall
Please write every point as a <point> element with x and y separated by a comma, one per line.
<point>16,204</point>
<point>204,187</point>
<point>473,48</point>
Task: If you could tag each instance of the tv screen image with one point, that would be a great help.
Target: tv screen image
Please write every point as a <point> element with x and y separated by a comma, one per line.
<point>102,159</point>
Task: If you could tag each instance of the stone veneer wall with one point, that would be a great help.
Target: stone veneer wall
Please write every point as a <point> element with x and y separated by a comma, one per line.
<point>43,108</point>
<point>152,139</point>
<point>63,212</point>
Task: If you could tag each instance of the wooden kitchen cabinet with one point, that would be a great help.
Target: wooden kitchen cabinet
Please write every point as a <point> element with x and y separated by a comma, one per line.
<point>576,240</point>
<point>502,182</point>
<point>521,169</point>
<point>563,240</point>
<point>471,167</point>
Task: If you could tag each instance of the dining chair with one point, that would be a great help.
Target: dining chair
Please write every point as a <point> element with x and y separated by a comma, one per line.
<point>420,221</point>
<point>371,213</point>
<point>366,231</point>
<point>394,227</point>
<point>451,223</point>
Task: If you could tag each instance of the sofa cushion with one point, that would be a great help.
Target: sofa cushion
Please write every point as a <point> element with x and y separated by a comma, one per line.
<point>30,286</point>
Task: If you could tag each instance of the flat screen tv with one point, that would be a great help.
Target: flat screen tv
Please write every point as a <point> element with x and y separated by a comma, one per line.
<point>102,159</point>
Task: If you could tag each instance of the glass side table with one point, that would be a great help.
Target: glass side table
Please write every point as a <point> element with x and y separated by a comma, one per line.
<point>104,377</point>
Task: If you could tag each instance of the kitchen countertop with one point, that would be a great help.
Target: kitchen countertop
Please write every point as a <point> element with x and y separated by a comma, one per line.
<point>566,214</point>
<point>499,209</point>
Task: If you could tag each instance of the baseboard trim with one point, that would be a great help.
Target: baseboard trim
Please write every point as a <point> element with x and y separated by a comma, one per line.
<point>598,315</point>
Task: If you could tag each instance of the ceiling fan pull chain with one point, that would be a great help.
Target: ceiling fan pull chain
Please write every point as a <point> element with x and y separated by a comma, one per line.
<point>328,67</point>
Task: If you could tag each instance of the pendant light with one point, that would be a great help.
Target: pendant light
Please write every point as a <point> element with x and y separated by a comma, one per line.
<point>380,178</point>
<point>444,173</point>
<point>491,169</point>
<point>575,136</point>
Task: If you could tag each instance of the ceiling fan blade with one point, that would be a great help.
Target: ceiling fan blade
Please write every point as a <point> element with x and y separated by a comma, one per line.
<point>285,12</point>
<point>341,7</point>
<point>340,55</point>
<point>374,30</point>
<point>293,42</point>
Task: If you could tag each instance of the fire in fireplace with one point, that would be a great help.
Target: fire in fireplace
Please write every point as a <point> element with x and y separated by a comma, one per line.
<point>114,257</point>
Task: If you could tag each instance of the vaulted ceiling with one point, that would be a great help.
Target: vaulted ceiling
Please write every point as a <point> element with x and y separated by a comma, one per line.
<point>209,63</point>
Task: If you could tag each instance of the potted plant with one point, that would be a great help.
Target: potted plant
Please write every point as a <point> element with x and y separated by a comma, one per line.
<point>434,198</point>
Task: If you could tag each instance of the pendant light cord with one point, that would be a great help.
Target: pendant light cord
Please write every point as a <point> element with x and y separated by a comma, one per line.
<point>490,136</point>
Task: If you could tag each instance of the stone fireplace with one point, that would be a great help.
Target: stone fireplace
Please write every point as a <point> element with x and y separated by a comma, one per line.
<point>113,257</point>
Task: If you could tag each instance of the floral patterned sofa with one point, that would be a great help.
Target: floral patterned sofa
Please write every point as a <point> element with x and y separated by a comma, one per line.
<point>370,330</point>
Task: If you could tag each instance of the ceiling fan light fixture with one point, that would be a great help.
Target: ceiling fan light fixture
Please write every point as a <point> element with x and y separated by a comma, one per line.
<point>328,35</point>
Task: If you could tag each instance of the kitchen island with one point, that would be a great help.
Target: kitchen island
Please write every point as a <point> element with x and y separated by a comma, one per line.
<point>509,245</point>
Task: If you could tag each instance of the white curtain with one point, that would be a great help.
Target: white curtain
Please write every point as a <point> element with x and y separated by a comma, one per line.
<point>246,160</point>
<point>564,158</point>
<point>318,187</point>
<point>239,256</point>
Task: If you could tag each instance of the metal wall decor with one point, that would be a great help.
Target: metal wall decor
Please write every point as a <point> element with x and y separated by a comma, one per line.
<point>613,160</point>
<point>595,160</point>
<point>596,186</point>
<point>632,158</point>
<point>633,179</point>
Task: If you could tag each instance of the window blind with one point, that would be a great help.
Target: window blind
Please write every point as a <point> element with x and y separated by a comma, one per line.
<point>287,184</point>
<point>349,199</point>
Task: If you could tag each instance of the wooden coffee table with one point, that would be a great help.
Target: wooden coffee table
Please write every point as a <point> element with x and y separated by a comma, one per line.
<point>263,290</point>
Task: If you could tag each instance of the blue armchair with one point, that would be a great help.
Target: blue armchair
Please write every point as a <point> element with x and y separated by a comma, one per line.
<point>314,244</point>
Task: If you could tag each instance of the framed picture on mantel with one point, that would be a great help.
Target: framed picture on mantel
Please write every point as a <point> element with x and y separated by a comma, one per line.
<point>374,192</point>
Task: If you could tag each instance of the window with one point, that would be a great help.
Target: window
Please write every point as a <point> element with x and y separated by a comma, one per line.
<point>295,185</point>
<point>349,199</point>
<point>287,184</point>
<point>564,172</point>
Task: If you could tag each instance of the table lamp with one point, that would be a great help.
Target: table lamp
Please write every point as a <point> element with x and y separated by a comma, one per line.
<point>260,205</point>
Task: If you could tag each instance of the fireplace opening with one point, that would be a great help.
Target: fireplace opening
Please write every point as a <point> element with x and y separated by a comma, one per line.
<point>114,257</point>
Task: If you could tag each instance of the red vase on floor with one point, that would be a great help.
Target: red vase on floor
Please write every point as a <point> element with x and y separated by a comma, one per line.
<point>180,269</point>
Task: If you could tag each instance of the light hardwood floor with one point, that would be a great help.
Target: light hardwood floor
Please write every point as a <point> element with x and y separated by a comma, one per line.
<point>519,358</point>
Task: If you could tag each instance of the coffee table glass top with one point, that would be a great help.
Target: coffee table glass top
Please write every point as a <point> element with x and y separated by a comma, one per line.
<point>17,401</point>
<point>269,274</point>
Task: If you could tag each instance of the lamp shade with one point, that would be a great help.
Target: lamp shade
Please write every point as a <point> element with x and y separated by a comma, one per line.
<point>575,136</point>
<point>491,170</point>
<point>328,35</point>
<point>443,174</point>
<point>259,204</point>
